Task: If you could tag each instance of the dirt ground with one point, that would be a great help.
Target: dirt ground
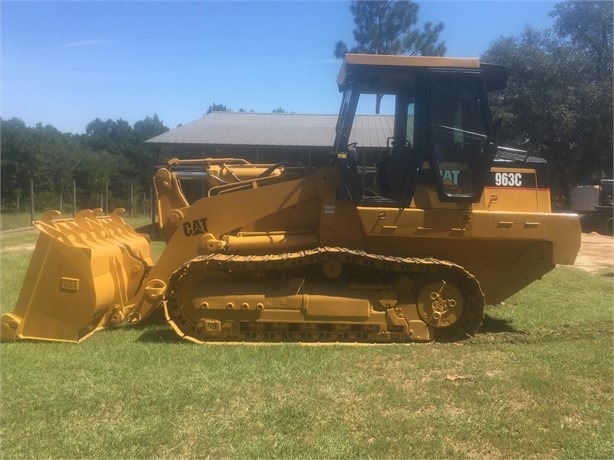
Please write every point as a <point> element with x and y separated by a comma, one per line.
<point>596,253</point>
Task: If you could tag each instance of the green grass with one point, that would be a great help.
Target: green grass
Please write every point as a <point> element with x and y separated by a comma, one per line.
<point>9,221</point>
<point>536,382</point>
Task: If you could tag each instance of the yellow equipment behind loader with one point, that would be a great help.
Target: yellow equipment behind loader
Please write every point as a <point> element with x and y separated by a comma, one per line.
<point>408,246</point>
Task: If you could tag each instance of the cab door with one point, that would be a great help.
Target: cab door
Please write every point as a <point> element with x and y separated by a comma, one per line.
<point>460,146</point>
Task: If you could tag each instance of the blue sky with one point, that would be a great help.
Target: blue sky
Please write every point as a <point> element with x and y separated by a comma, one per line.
<point>67,63</point>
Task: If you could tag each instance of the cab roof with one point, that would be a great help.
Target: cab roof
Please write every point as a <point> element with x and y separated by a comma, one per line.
<point>384,73</point>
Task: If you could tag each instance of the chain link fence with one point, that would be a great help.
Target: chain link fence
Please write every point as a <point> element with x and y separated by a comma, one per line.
<point>23,208</point>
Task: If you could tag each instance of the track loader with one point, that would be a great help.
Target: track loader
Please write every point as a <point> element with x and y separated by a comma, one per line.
<point>404,245</point>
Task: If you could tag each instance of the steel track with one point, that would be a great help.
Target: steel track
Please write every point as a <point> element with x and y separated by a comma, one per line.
<point>247,327</point>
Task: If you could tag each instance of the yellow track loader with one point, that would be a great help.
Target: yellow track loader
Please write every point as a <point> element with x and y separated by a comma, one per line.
<point>405,245</point>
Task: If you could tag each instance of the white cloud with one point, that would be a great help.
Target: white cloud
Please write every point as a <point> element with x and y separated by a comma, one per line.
<point>80,44</point>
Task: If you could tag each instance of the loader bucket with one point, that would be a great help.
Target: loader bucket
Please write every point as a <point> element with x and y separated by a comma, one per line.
<point>81,278</point>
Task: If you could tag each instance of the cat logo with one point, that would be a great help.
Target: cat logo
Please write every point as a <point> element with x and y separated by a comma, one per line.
<point>450,176</point>
<point>196,227</point>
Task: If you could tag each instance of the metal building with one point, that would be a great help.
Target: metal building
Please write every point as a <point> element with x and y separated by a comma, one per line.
<point>273,137</point>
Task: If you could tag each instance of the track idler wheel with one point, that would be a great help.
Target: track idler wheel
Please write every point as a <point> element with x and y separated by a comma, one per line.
<point>450,308</point>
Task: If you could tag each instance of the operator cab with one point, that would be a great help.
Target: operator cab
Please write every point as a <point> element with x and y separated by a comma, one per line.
<point>442,131</point>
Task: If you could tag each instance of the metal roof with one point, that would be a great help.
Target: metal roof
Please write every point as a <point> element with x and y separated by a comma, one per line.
<point>276,129</point>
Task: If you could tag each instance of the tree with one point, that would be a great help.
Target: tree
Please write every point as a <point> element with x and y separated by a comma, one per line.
<point>388,27</point>
<point>110,136</point>
<point>559,95</point>
<point>148,128</point>
<point>588,25</point>
<point>218,108</point>
<point>18,157</point>
<point>39,153</point>
<point>144,130</point>
<point>110,151</point>
<point>426,43</point>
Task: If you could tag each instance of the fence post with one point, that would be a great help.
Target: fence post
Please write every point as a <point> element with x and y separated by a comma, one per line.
<point>74,198</point>
<point>131,201</point>
<point>152,215</point>
<point>31,200</point>
<point>152,212</point>
<point>106,198</point>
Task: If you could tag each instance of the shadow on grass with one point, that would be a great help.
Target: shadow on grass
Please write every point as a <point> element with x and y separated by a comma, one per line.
<point>162,334</point>
<point>497,326</point>
<point>151,231</point>
<point>156,329</point>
